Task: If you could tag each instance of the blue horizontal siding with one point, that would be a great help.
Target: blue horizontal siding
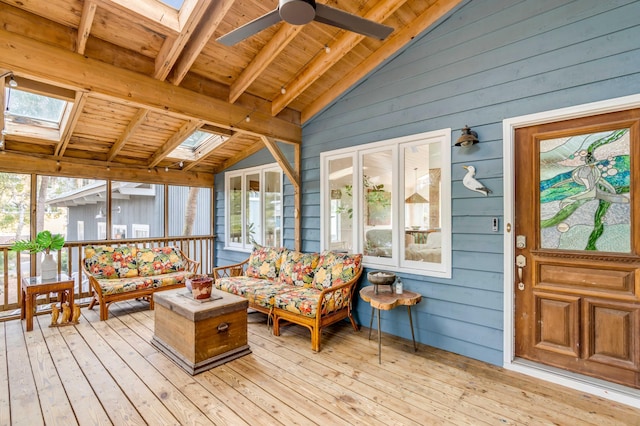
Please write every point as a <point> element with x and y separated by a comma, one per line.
<point>487,61</point>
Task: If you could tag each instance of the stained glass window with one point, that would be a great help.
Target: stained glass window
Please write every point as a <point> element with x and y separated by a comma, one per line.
<point>584,192</point>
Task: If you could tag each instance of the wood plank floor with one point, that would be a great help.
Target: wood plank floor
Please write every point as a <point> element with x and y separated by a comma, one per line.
<point>100,373</point>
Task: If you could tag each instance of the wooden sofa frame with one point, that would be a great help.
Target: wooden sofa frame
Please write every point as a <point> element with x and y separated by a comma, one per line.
<point>315,325</point>
<point>141,294</point>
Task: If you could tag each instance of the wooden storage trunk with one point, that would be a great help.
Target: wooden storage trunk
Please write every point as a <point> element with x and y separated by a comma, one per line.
<point>200,335</point>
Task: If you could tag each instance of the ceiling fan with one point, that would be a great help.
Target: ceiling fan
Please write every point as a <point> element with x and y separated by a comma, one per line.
<point>300,12</point>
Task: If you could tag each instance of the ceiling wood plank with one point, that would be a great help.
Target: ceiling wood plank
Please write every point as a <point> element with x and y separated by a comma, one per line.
<point>259,145</point>
<point>175,140</point>
<point>199,40</point>
<point>392,45</point>
<point>78,107</point>
<point>84,29</point>
<point>263,59</point>
<point>135,122</point>
<point>229,141</point>
<point>31,57</point>
<point>172,46</point>
<point>323,62</point>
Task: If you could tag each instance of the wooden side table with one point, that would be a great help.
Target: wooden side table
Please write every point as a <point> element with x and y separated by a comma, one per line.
<point>387,300</point>
<point>31,287</point>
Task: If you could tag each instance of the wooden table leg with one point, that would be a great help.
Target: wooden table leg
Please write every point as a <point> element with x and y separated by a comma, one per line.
<point>23,304</point>
<point>29,310</point>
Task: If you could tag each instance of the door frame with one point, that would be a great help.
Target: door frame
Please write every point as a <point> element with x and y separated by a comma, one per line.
<point>579,382</point>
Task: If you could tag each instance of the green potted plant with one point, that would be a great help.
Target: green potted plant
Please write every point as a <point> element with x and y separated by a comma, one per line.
<point>45,241</point>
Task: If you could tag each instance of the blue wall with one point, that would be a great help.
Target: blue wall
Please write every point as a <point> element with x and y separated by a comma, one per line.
<point>489,60</point>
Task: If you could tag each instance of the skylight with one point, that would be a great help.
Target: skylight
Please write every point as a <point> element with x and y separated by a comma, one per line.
<point>176,4</point>
<point>32,109</point>
<point>196,145</point>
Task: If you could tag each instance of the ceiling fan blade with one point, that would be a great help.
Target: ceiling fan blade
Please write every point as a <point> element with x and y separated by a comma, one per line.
<point>347,21</point>
<point>251,28</point>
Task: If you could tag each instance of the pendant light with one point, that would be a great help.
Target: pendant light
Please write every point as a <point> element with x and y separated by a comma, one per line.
<point>416,198</point>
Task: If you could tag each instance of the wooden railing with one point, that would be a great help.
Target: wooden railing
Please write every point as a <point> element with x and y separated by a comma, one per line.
<point>69,259</point>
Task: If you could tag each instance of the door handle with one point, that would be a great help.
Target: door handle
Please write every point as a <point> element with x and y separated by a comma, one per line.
<point>521,262</point>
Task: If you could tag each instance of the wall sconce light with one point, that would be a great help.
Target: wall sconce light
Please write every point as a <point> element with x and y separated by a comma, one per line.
<point>468,137</point>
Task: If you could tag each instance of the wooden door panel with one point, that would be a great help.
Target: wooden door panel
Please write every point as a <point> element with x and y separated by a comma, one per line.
<point>577,282</point>
<point>614,338</point>
<point>557,323</point>
<point>592,278</point>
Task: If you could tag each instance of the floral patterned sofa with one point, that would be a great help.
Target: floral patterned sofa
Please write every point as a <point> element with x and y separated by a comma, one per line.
<point>123,273</point>
<point>309,289</point>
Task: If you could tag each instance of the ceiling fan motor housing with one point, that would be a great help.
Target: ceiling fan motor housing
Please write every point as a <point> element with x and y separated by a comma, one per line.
<point>297,12</point>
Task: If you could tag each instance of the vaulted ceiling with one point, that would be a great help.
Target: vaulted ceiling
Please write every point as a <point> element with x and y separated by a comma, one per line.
<point>141,76</point>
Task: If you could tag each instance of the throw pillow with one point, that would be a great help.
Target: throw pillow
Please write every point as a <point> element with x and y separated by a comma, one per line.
<point>265,262</point>
<point>298,268</point>
<point>336,268</point>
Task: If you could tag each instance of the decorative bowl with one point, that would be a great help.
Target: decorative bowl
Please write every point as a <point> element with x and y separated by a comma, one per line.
<point>381,277</point>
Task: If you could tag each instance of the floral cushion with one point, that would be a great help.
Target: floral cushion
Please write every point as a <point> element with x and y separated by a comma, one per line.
<point>159,261</point>
<point>336,268</point>
<point>110,262</point>
<point>123,285</point>
<point>304,301</point>
<point>255,290</point>
<point>297,268</point>
<point>264,262</point>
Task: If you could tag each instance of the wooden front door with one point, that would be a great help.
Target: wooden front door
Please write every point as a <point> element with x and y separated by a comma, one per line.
<point>577,227</point>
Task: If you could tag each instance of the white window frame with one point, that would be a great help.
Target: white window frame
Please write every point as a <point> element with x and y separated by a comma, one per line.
<point>246,246</point>
<point>139,227</point>
<point>396,145</point>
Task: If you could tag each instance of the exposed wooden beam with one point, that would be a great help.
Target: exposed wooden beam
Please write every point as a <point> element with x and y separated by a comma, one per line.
<point>31,57</point>
<point>172,46</point>
<point>263,59</point>
<point>273,148</point>
<point>84,29</point>
<point>135,122</point>
<point>230,141</point>
<point>157,15</point>
<point>69,126</point>
<point>174,141</point>
<point>91,169</point>
<point>240,156</point>
<point>200,38</point>
<point>3,82</point>
<point>321,63</point>
<point>392,45</point>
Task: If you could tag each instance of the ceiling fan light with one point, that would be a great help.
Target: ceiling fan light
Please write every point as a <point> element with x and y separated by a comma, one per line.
<point>297,12</point>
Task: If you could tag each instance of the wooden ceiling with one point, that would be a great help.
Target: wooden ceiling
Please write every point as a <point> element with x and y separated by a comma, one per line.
<point>142,76</point>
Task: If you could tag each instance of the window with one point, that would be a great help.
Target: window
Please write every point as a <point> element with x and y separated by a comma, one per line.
<point>254,207</point>
<point>37,110</point>
<point>391,201</point>
<point>136,202</point>
<point>140,230</point>
<point>196,145</point>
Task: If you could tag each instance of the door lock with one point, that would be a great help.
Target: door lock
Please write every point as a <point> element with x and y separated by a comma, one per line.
<point>521,241</point>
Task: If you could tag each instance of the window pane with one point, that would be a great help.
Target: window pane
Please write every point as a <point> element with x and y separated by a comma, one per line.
<point>189,211</point>
<point>235,209</point>
<point>341,206</point>
<point>39,107</point>
<point>72,207</point>
<point>376,185</point>
<point>135,204</point>
<point>272,209</point>
<point>422,203</point>
<point>253,231</point>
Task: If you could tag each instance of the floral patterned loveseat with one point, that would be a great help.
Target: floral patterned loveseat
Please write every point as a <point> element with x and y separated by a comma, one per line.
<point>123,273</point>
<point>309,289</point>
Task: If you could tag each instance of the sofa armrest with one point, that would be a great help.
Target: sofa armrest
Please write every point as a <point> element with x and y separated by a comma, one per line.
<point>190,265</point>
<point>329,293</point>
<point>235,270</point>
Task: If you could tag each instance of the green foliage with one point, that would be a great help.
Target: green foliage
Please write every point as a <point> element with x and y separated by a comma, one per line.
<point>44,242</point>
